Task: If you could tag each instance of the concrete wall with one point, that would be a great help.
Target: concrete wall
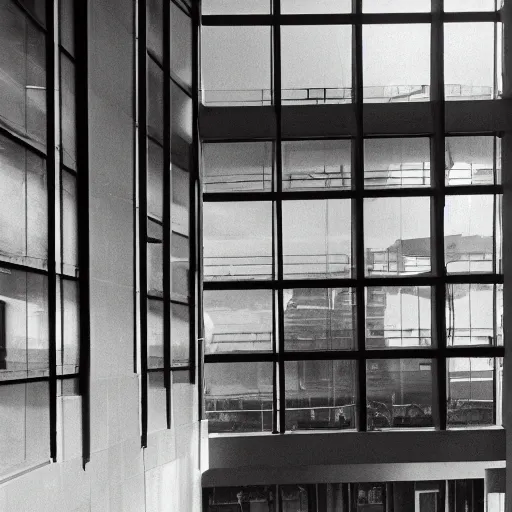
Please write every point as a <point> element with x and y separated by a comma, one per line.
<point>121,477</point>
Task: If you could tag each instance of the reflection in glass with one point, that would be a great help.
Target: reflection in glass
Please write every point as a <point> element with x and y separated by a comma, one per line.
<point>471,311</point>
<point>180,199</point>
<point>66,24</point>
<point>155,28</point>
<point>68,112</point>
<point>469,160</point>
<point>296,498</point>
<point>181,108</point>
<point>237,166</point>
<point>180,335</point>
<point>156,402</point>
<point>316,6</point>
<point>399,393</point>
<point>468,233</point>
<point>470,78</point>
<point>68,316</point>
<point>181,45</point>
<point>238,397</point>
<point>397,236</point>
<point>155,333</point>
<point>468,5</point>
<point>237,240</point>
<point>235,7</point>
<point>24,309</point>
<point>398,316</point>
<point>396,63</point>
<point>237,321</point>
<point>236,65</point>
<point>69,223</point>
<point>388,6</point>
<point>474,391</point>
<point>319,319</point>
<point>247,498</point>
<point>155,104</point>
<point>316,164</point>
<point>155,259</point>
<point>396,163</point>
<point>155,177</point>
<point>320,394</point>
<point>316,64</point>
<point>180,249</point>
<point>317,238</point>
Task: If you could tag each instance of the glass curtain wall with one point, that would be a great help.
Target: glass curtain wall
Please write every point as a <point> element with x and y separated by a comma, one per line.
<point>353,283</point>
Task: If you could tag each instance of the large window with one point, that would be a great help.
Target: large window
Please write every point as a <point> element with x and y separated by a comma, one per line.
<point>351,282</point>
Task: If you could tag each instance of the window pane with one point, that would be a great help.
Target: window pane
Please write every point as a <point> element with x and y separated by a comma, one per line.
<point>23,206</point>
<point>181,45</point>
<point>398,316</point>
<point>180,250</point>
<point>237,166</point>
<point>469,160</point>
<point>67,24</point>
<point>68,112</point>
<point>319,319</point>
<point>396,6</point>
<point>396,63</point>
<point>180,335</point>
<point>396,163</point>
<point>316,6</point>
<point>36,8</point>
<point>157,410</point>
<point>181,109</point>
<point>155,178</point>
<point>468,233</point>
<point>296,498</point>
<point>235,7</point>
<point>397,236</point>
<point>24,302</point>
<point>25,432</point>
<point>236,65</point>
<point>22,61</point>
<point>317,164</point>
<point>470,314</point>
<point>68,317</point>
<point>320,394</point>
<point>180,199</point>
<point>69,223</point>
<point>471,78</point>
<point>317,238</point>
<point>474,391</point>
<point>155,334</point>
<point>237,321</point>
<point>399,393</point>
<point>155,104</point>
<point>252,498</point>
<point>468,5</point>
<point>238,397</point>
<point>237,240</point>
<point>155,259</point>
<point>155,33</point>
<point>316,64</point>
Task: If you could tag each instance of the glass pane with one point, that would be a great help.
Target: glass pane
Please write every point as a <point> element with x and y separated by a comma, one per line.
<point>180,199</point>
<point>471,78</point>
<point>238,397</point>
<point>316,64</point>
<point>24,306</point>
<point>155,178</point>
<point>398,316</point>
<point>237,321</point>
<point>397,163</point>
<point>319,319</point>
<point>23,104</point>
<point>397,236</point>
<point>155,30</point>
<point>469,160</point>
<point>317,238</point>
<point>320,394</point>
<point>468,233</point>
<point>237,166</point>
<point>237,240</point>
<point>396,6</point>
<point>181,45</point>
<point>371,496</point>
<point>181,118</point>
<point>471,310</point>
<point>155,259</point>
<point>69,223</point>
<point>236,65</point>
<point>180,249</point>
<point>180,335</point>
<point>25,420</point>
<point>246,498</point>
<point>399,393</point>
<point>68,112</point>
<point>317,164</point>
<point>157,409</point>
<point>155,334</point>
<point>468,5</point>
<point>396,63</point>
<point>155,103</point>
<point>316,6</point>
<point>236,7</point>
<point>296,498</point>
<point>68,317</point>
<point>36,8</point>
<point>474,391</point>
<point>67,24</point>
